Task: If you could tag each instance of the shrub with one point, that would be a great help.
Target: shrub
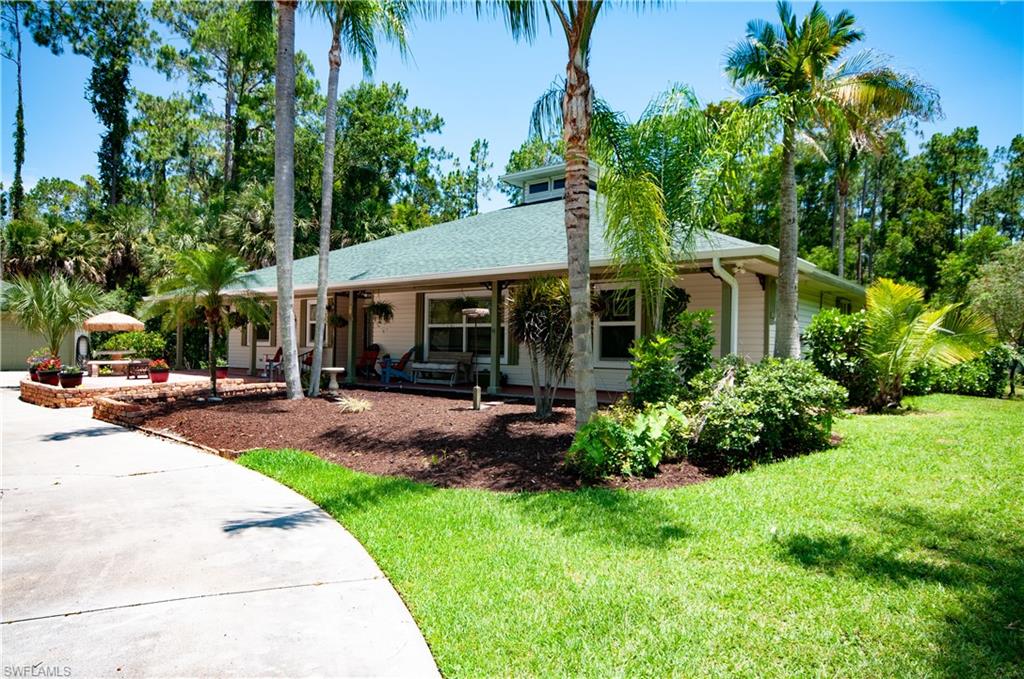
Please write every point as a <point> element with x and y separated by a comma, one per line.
<point>987,375</point>
<point>762,411</point>
<point>626,441</point>
<point>144,344</point>
<point>694,336</point>
<point>653,377</point>
<point>351,404</point>
<point>835,344</point>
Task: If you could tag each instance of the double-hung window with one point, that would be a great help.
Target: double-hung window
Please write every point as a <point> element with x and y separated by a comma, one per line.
<point>449,330</point>
<point>616,324</point>
<point>310,323</point>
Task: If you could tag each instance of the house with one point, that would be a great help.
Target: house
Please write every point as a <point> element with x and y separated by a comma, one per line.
<point>16,343</point>
<point>482,256</point>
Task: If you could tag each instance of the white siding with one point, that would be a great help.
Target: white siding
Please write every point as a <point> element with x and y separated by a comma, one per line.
<point>398,336</point>
<point>751,330</point>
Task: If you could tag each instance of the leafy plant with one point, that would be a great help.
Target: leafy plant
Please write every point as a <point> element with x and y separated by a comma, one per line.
<point>693,333</point>
<point>382,311</point>
<point>986,375</point>
<point>539,316</point>
<point>38,356</point>
<point>159,365</point>
<point>71,370</point>
<point>904,334</point>
<point>628,442</point>
<point>351,404</point>
<point>51,364</point>
<point>653,376</point>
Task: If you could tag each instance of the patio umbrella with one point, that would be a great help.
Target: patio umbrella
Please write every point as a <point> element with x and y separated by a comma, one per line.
<point>112,321</point>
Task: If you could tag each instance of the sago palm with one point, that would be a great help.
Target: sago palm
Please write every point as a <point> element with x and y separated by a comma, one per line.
<point>354,27</point>
<point>787,66</point>
<point>904,334</point>
<point>51,305</point>
<point>200,280</point>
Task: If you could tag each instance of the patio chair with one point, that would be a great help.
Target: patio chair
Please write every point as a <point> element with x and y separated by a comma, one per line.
<point>367,360</point>
<point>389,368</point>
<point>272,364</point>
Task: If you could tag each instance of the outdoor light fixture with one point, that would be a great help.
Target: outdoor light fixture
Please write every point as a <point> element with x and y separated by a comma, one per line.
<point>475,314</point>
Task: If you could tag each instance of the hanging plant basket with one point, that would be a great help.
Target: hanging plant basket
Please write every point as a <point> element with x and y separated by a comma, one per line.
<point>382,311</point>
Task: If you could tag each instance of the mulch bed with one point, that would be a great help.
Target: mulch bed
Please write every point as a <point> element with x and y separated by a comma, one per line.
<point>432,439</point>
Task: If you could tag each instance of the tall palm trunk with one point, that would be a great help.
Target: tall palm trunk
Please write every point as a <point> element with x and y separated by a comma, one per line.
<point>284,192</point>
<point>842,196</point>
<point>17,187</point>
<point>229,127</point>
<point>787,324</point>
<point>326,198</point>
<point>576,133</point>
<point>211,361</point>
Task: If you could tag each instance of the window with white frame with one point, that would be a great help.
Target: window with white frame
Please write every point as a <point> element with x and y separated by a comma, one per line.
<point>616,324</point>
<point>310,322</point>
<point>449,330</point>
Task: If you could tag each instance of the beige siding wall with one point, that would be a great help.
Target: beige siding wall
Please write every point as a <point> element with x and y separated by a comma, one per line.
<point>705,293</point>
<point>751,330</point>
<point>16,344</point>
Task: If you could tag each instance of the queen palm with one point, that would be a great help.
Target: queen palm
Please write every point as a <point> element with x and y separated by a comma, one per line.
<point>51,305</point>
<point>199,280</point>
<point>577,19</point>
<point>354,25</point>
<point>857,119</point>
<point>788,65</point>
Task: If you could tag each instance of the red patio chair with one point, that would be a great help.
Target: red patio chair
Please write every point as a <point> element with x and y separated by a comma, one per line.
<point>272,364</point>
<point>367,360</point>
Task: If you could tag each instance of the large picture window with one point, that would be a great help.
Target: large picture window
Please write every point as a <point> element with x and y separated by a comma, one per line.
<point>448,330</point>
<point>616,324</point>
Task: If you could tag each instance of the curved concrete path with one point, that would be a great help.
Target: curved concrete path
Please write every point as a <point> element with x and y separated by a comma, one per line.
<point>125,555</point>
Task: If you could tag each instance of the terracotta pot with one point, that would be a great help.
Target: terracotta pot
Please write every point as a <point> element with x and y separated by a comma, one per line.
<point>158,376</point>
<point>222,373</point>
<point>51,377</point>
<point>71,381</point>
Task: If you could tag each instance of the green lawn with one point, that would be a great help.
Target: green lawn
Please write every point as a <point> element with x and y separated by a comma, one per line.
<point>899,553</point>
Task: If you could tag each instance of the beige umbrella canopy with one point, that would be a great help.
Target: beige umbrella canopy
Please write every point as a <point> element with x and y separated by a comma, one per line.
<point>112,321</point>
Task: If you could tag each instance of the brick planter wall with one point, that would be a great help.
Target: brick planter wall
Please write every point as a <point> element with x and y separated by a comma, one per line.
<point>56,397</point>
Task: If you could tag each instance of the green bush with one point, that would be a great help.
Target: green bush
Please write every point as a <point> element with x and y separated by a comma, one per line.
<point>693,334</point>
<point>626,441</point>
<point>144,344</point>
<point>767,410</point>
<point>987,375</point>
<point>835,343</point>
<point>653,376</point>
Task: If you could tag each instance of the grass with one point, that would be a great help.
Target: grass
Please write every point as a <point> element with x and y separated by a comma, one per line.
<point>899,553</point>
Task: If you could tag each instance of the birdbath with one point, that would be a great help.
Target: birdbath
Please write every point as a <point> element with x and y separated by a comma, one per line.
<point>475,314</point>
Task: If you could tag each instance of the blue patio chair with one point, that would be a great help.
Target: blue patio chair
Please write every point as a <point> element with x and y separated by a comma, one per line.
<point>389,368</point>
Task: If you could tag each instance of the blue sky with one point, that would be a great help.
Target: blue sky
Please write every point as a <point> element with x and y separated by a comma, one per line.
<point>483,83</point>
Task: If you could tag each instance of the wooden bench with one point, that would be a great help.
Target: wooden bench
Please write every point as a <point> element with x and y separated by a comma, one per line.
<point>456,365</point>
<point>94,366</point>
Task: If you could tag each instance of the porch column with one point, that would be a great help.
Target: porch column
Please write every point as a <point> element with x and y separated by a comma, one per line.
<point>252,348</point>
<point>495,337</point>
<point>350,365</point>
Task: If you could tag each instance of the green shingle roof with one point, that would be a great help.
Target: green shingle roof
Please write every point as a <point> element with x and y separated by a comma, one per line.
<point>526,236</point>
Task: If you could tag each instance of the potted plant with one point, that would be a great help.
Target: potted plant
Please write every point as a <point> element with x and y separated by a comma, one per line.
<point>159,371</point>
<point>71,377</point>
<point>34,359</point>
<point>49,371</point>
<point>382,311</point>
<point>222,367</point>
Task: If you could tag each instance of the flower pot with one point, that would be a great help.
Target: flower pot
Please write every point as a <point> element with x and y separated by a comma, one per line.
<point>222,373</point>
<point>158,376</point>
<point>71,381</point>
<point>51,377</point>
<point>33,374</point>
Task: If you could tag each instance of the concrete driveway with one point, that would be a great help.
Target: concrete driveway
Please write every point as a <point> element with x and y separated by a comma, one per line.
<point>125,555</point>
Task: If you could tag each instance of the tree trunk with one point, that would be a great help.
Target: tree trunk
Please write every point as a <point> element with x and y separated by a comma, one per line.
<point>17,186</point>
<point>787,323</point>
<point>326,197</point>
<point>229,131</point>
<point>179,344</point>
<point>842,194</point>
<point>284,193</point>
<point>211,361</point>
<point>576,133</point>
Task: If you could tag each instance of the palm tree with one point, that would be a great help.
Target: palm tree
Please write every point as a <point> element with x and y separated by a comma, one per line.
<point>577,19</point>
<point>665,179</point>
<point>199,280</point>
<point>284,192</point>
<point>787,65</point>
<point>858,118</point>
<point>903,335</point>
<point>357,21</point>
<point>51,305</point>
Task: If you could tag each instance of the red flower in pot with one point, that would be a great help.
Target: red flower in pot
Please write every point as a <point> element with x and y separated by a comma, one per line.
<point>159,370</point>
<point>49,371</point>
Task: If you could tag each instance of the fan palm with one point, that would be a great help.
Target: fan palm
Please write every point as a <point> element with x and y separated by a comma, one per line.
<point>904,334</point>
<point>857,118</point>
<point>51,305</point>
<point>354,23</point>
<point>787,66</point>
<point>665,179</point>
<point>200,279</point>
<point>577,19</point>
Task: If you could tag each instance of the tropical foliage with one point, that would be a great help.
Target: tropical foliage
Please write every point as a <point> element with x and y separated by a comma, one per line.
<point>538,312</point>
<point>51,306</point>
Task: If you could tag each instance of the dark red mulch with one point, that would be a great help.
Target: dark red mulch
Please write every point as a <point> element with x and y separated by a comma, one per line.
<point>432,439</point>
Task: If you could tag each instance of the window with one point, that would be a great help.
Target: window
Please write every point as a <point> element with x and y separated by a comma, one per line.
<point>449,330</point>
<point>263,334</point>
<point>539,187</point>
<point>843,305</point>
<point>558,184</point>
<point>616,324</point>
<point>310,322</point>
